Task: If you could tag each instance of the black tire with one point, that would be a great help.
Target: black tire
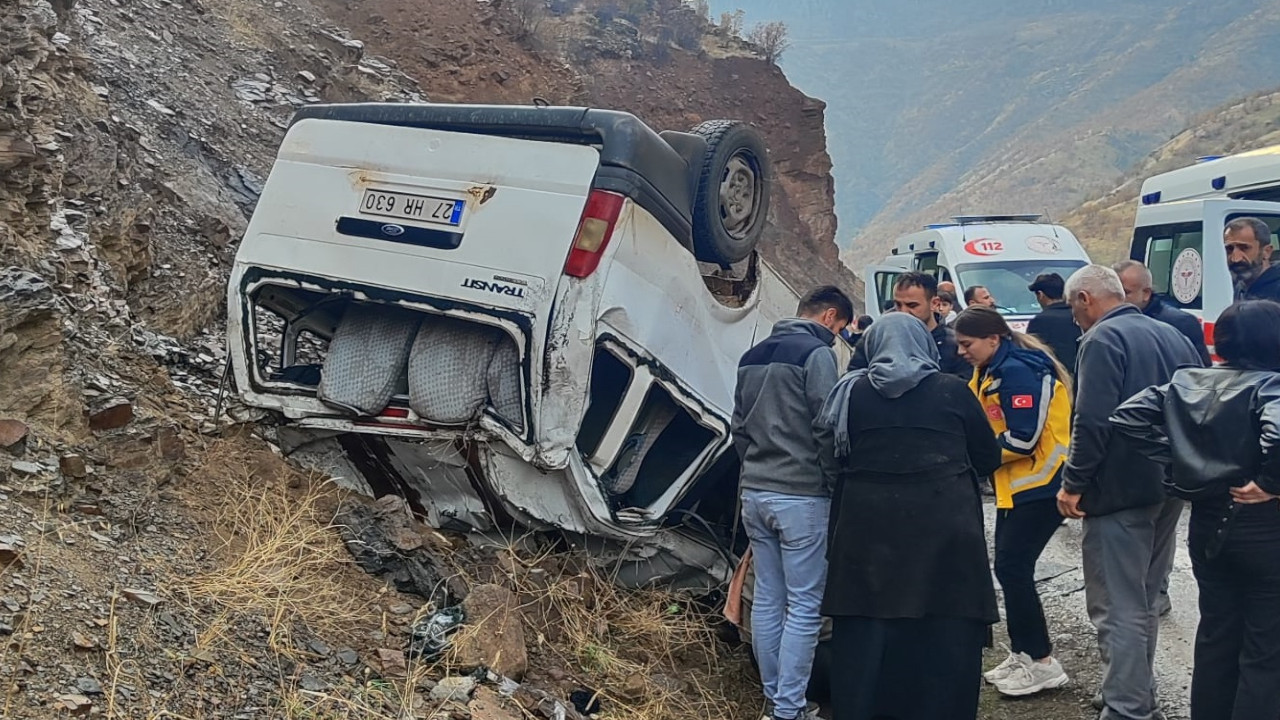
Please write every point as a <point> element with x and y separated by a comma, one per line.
<point>731,202</point>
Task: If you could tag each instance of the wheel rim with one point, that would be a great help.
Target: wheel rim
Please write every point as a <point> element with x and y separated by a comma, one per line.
<point>739,195</point>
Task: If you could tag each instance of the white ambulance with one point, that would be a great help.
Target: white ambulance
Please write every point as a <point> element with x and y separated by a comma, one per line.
<point>1003,253</point>
<point>1180,219</point>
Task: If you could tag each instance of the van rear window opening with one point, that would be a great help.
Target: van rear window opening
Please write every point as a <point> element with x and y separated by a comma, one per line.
<point>358,358</point>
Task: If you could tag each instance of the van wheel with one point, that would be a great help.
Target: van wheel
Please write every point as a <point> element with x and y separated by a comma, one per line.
<point>731,203</point>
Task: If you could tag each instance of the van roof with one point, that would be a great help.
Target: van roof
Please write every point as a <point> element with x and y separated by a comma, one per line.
<point>1015,238</point>
<point>1232,176</point>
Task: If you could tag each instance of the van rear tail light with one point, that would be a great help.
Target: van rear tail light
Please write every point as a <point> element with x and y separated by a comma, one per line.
<point>594,232</point>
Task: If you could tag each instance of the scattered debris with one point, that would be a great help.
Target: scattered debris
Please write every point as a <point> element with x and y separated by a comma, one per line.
<point>456,688</point>
<point>142,597</point>
<point>368,529</point>
<point>585,700</point>
<point>430,636</point>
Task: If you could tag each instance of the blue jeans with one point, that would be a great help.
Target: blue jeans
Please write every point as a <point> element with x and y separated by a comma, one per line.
<point>789,549</point>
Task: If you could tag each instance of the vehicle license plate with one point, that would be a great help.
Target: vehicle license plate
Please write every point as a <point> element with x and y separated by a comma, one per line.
<point>385,203</point>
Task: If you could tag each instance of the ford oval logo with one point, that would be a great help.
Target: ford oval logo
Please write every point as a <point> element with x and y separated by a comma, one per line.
<point>392,230</point>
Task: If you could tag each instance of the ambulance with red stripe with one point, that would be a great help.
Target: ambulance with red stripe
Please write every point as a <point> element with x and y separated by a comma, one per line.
<point>1003,253</point>
<point>1177,231</point>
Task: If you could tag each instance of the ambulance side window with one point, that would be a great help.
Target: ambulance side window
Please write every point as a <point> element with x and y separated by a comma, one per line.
<point>926,263</point>
<point>1174,249</point>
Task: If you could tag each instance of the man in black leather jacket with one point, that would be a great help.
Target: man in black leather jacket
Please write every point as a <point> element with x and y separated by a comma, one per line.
<point>1217,433</point>
<point>1129,525</point>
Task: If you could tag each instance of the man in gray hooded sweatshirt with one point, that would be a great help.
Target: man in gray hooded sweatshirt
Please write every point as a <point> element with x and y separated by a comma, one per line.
<point>787,474</point>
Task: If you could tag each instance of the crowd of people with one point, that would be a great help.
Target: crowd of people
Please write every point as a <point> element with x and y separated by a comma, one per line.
<point>861,489</point>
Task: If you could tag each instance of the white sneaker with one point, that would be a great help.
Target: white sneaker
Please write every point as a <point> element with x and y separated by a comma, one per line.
<point>1033,677</point>
<point>1005,669</point>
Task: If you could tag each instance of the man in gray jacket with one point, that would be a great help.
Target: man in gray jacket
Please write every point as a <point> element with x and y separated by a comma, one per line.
<point>787,473</point>
<point>1129,522</point>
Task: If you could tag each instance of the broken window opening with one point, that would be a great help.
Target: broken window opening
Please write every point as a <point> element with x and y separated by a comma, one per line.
<point>292,329</point>
<point>666,440</point>
<point>610,377</point>
<point>268,328</point>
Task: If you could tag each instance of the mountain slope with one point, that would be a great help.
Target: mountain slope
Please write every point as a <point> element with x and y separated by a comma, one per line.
<point>1105,223</point>
<point>996,106</point>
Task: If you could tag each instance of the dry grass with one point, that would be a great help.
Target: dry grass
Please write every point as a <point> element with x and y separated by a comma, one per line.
<point>650,654</point>
<point>266,571</point>
<point>278,551</point>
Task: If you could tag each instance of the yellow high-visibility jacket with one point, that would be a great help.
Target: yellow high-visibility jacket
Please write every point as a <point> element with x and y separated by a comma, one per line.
<point>1030,412</point>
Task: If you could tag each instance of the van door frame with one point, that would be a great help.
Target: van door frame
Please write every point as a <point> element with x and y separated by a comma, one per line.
<point>874,301</point>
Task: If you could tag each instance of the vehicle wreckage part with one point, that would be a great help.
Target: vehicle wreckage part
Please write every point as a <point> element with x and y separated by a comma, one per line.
<point>430,636</point>
<point>366,358</point>
<point>504,383</point>
<point>594,231</point>
<point>731,204</point>
<point>655,418</point>
<point>456,367</point>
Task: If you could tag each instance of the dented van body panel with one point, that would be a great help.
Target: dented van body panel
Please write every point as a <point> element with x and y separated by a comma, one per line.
<point>502,389</point>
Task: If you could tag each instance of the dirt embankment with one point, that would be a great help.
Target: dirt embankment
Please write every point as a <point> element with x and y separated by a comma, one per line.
<point>467,52</point>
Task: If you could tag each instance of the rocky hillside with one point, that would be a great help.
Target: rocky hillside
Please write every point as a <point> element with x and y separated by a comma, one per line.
<point>159,559</point>
<point>1105,223</point>
<point>634,61</point>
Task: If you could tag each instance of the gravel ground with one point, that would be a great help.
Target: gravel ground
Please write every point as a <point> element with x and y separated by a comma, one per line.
<point>1062,589</point>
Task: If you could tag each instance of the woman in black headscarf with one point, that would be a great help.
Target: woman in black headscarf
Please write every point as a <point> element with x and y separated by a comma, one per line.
<point>909,587</point>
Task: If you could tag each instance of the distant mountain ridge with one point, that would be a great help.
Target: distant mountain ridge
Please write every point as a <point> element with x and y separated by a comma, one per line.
<point>937,108</point>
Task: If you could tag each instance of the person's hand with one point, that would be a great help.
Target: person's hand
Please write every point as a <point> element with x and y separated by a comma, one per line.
<point>1251,494</point>
<point>1069,504</point>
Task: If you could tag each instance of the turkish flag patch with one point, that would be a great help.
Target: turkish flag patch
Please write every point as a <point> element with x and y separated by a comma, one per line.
<point>1022,401</point>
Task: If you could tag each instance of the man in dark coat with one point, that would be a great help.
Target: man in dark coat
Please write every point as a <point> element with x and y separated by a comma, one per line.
<point>1129,522</point>
<point>1247,241</point>
<point>914,293</point>
<point>1054,325</point>
<point>1138,290</point>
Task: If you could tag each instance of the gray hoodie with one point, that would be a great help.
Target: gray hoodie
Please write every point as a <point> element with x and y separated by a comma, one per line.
<point>782,383</point>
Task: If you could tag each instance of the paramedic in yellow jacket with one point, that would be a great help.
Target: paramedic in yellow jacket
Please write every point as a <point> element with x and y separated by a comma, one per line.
<point>1026,393</point>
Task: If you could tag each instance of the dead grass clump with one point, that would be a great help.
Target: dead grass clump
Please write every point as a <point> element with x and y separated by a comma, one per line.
<point>278,554</point>
<point>651,654</point>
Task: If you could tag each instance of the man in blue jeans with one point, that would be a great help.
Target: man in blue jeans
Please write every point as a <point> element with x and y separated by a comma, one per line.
<point>787,474</point>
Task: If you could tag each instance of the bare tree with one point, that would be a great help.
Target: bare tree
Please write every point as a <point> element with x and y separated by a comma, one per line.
<point>528,16</point>
<point>771,38</point>
<point>731,23</point>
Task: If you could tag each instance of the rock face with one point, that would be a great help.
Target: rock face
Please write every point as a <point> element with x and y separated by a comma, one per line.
<point>671,90</point>
<point>494,636</point>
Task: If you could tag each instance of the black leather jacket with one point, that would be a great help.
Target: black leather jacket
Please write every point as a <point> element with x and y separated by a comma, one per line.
<point>1212,428</point>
